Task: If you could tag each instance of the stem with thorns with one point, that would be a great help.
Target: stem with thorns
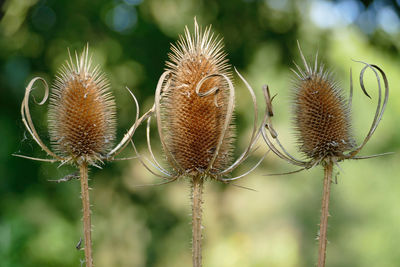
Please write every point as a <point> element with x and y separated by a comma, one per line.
<point>197,201</point>
<point>87,226</point>
<point>328,167</point>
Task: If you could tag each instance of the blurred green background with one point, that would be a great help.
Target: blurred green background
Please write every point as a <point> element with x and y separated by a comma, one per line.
<point>40,221</point>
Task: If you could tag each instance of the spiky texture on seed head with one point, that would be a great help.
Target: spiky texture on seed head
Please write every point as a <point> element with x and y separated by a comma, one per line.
<point>193,124</point>
<point>82,119</point>
<point>321,113</point>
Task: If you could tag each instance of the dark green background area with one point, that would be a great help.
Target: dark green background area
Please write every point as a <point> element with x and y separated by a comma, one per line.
<point>40,221</point>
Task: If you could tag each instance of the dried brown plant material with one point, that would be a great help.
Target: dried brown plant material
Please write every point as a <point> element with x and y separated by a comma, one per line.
<point>321,115</point>
<point>194,104</point>
<point>82,121</point>
<point>195,124</point>
<point>81,124</point>
<point>323,127</point>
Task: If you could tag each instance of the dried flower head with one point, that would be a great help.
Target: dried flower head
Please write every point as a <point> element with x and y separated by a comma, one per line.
<point>194,105</point>
<point>195,123</point>
<point>322,116</point>
<point>322,123</point>
<point>82,125</point>
<point>82,121</point>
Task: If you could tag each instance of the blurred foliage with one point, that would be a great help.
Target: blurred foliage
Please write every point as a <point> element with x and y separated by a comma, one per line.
<point>276,226</point>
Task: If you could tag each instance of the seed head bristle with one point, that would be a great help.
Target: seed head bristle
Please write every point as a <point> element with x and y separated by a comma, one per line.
<point>321,113</point>
<point>193,124</point>
<point>82,111</point>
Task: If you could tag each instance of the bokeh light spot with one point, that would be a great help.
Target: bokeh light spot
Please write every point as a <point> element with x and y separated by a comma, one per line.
<point>122,18</point>
<point>324,14</point>
<point>348,10</point>
<point>388,20</point>
<point>133,2</point>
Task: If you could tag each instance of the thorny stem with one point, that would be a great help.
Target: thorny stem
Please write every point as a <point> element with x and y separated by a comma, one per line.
<point>324,213</point>
<point>87,226</point>
<point>197,201</point>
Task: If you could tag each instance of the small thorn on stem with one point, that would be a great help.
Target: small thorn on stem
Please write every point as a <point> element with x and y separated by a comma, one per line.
<point>79,245</point>
<point>66,178</point>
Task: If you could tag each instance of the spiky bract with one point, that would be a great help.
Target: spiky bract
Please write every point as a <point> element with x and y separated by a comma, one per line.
<point>193,123</point>
<point>82,119</point>
<point>321,114</point>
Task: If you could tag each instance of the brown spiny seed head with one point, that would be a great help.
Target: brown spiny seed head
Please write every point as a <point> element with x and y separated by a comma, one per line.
<point>321,113</point>
<point>82,119</point>
<point>193,124</point>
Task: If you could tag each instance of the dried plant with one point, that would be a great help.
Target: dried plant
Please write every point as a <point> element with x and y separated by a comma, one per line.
<point>82,125</point>
<point>323,127</point>
<point>194,104</point>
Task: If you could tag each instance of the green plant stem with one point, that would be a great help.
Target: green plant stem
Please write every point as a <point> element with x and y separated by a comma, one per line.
<point>324,214</point>
<point>197,201</point>
<point>87,225</point>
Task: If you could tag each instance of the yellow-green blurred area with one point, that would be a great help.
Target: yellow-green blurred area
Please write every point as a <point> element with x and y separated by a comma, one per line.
<point>40,221</point>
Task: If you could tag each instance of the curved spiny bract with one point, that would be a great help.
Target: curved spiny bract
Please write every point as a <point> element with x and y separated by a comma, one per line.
<point>193,122</point>
<point>82,121</point>
<point>321,114</point>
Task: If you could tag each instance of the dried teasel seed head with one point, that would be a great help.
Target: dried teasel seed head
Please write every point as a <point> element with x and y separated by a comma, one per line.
<point>82,110</point>
<point>192,122</point>
<point>321,113</point>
